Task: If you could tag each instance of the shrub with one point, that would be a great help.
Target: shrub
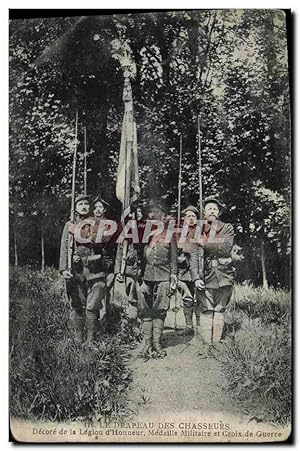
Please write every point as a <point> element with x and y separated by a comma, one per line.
<point>256,366</point>
<point>271,305</point>
<point>52,377</point>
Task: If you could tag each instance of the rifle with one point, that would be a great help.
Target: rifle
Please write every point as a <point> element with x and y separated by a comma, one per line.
<point>201,250</point>
<point>72,215</point>
<point>124,257</point>
<point>85,164</point>
<point>178,219</point>
<point>179,182</point>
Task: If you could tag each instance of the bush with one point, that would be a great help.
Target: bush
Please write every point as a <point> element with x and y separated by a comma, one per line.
<point>271,305</point>
<point>25,282</point>
<point>256,366</point>
<point>52,377</point>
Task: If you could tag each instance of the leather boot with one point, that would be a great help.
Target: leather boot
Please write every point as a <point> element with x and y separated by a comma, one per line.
<point>197,314</point>
<point>158,328</point>
<point>218,326</point>
<point>188,314</point>
<point>147,329</point>
<point>206,327</point>
<point>91,325</point>
<point>77,321</point>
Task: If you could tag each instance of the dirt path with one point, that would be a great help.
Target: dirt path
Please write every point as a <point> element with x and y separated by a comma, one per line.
<point>182,391</point>
<point>181,382</point>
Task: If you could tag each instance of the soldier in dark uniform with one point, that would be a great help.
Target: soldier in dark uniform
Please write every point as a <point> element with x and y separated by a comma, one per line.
<point>85,283</point>
<point>128,266</point>
<point>214,285</point>
<point>159,281</point>
<point>186,284</point>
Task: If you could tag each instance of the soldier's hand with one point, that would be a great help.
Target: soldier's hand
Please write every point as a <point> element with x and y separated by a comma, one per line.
<point>76,258</point>
<point>120,278</point>
<point>67,274</point>
<point>181,259</point>
<point>71,227</point>
<point>199,285</point>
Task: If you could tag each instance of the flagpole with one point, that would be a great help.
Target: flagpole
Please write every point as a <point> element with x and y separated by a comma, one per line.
<point>125,242</point>
<point>126,74</point>
<point>127,184</point>
<point>201,250</point>
<point>200,166</point>
<point>85,163</point>
<point>179,181</point>
<point>72,215</point>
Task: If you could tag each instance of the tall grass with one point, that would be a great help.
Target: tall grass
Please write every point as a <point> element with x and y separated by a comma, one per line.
<point>51,376</point>
<point>255,359</point>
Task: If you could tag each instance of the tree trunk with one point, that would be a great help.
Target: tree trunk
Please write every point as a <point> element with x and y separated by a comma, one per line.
<point>15,249</point>
<point>263,266</point>
<point>43,251</point>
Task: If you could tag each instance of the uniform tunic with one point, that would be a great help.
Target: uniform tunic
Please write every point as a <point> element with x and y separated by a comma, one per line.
<point>131,272</point>
<point>186,284</point>
<point>90,264</point>
<point>160,260</point>
<point>218,272</point>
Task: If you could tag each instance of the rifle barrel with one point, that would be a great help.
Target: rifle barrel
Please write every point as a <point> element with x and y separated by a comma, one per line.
<point>200,165</point>
<point>179,181</point>
<point>85,164</point>
<point>74,169</point>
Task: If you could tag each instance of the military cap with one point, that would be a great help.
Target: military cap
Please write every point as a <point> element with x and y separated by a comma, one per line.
<point>100,199</point>
<point>82,196</point>
<point>191,208</point>
<point>215,200</point>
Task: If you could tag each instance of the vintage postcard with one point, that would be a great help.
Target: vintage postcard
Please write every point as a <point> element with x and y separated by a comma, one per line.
<point>150,226</point>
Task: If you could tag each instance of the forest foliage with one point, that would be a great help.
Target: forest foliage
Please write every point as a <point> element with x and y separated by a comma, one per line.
<point>228,67</point>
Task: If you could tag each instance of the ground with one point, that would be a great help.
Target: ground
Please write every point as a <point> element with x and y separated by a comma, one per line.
<point>181,382</point>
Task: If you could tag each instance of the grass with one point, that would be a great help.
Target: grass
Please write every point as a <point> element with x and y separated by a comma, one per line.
<point>255,359</point>
<point>51,376</point>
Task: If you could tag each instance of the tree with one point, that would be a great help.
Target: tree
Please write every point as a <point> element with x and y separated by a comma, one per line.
<point>229,66</point>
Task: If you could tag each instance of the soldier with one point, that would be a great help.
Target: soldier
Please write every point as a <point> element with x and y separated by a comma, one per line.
<point>132,268</point>
<point>186,285</point>
<point>213,287</point>
<point>85,283</point>
<point>159,281</point>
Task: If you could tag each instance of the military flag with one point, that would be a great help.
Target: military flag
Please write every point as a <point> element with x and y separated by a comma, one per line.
<point>128,188</point>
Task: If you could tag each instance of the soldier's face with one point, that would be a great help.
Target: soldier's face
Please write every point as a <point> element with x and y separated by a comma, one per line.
<point>190,218</point>
<point>99,209</point>
<point>82,207</point>
<point>211,211</point>
<point>157,214</point>
<point>139,214</point>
